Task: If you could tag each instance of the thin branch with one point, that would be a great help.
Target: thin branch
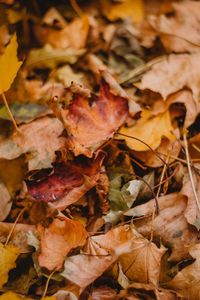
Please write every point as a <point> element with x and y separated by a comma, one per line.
<point>47,285</point>
<point>9,112</point>
<point>14,225</point>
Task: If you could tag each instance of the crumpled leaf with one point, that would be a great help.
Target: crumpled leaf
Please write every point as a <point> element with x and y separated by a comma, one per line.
<point>41,138</point>
<point>173,30</point>
<point>123,9</point>
<point>162,78</point>
<point>170,226</point>
<point>192,212</point>
<point>90,125</point>
<point>6,203</point>
<point>57,240</point>
<point>9,65</point>
<point>8,257</point>
<point>186,282</point>
<point>72,34</point>
<point>68,182</point>
<point>158,126</point>
<point>48,57</point>
<point>183,96</point>
<point>100,254</point>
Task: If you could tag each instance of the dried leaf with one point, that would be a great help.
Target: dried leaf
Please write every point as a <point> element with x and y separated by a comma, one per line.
<point>89,126</point>
<point>8,257</point>
<point>158,127</point>
<point>13,296</point>
<point>68,182</point>
<point>124,9</point>
<point>9,65</point>
<point>170,226</point>
<point>6,202</point>
<point>162,78</point>
<point>186,282</point>
<point>41,138</point>
<point>57,240</point>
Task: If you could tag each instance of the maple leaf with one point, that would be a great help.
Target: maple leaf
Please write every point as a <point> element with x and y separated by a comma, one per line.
<point>158,127</point>
<point>9,65</point>
<point>8,257</point>
<point>162,77</point>
<point>57,240</point>
<point>186,282</point>
<point>90,125</point>
<point>68,182</point>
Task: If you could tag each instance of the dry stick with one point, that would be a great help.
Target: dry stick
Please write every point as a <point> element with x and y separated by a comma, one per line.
<point>76,8</point>
<point>47,285</point>
<point>14,225</point>
<point>196,147</point>
<point>9,112</point>
<point>157,195</point>
<point>137,139</point>
<point>190,171</point>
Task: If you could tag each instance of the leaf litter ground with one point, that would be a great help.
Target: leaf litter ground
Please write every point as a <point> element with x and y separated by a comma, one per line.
<point>99,150</point>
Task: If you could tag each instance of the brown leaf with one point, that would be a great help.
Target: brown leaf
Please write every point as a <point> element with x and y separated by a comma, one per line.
<point>41,138</point>
<point>162,78</point>
<point>192,212</point>
<point>103,293</point>
<point>140,290</point>
<point>186,282</point>
<point>143,262</point>
<point>6,202</point>
<point>185,97</point>
<point>170,226</point>
<point>57,240</point>
<point>90,125</point>
<point>63,35</point>
<point>68,182</point>
<point>173,30</point>
<point>99,255</point>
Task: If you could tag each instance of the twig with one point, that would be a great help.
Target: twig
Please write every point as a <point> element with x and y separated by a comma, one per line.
<point>190,171</point>
<point>47,285</point>
<point>9,112</point>
<point>14,225</point>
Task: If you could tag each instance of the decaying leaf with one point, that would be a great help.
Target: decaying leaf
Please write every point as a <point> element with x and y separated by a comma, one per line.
<point>8,257</point>
<point>90,125</point>
<point>57,240</point>
<point>186,282</point>
<point>44,140</point>
<point>9,65</point>
<point>158,126</point>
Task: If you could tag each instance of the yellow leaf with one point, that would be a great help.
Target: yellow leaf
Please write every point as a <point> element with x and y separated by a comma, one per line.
<point>8,256</point>
<point>9,65</point>
<point>149,130</point>
<point>127,8</point>
<point>13,296</point>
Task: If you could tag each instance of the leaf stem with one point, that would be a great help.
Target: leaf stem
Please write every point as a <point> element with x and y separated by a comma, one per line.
<point>47,285</point>
<point>14,225</point>
<point>9,112</point>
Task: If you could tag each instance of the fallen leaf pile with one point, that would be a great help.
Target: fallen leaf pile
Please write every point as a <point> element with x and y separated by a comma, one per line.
<point>99,150</point>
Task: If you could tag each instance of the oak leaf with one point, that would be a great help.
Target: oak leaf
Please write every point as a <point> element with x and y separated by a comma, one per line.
<point>57,240</point>
<point>9,65</point>
<point>148,129</point>
<point>8,256</point>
